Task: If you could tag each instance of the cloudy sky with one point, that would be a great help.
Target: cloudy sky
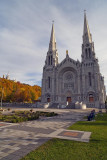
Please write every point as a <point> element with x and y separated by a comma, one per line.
<point>25,27</point>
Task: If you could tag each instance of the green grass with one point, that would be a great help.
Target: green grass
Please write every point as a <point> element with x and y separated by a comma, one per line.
<point>57,149</point>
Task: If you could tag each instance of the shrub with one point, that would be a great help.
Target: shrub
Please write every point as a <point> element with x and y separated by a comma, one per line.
<point>51,114</point>
<point>20,116</point>
<point>13,111</point>
<point>31,110</point>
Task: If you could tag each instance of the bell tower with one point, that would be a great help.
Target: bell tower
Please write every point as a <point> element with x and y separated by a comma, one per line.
<point>52,54</point>
<point>88,53</point>
<point>48,80</point>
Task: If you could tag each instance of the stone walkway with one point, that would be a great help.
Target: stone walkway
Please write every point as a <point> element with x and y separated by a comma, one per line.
<point>17,140</point>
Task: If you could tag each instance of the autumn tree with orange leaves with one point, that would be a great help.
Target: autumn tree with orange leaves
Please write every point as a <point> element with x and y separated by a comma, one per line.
<point>18,92</point>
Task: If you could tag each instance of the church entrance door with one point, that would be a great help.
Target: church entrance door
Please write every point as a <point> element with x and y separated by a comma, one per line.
<point>69,99</point>
<point>48,99</point>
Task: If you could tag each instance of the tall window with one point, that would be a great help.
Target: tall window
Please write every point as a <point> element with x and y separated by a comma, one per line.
<point>49,82</point>
<point>89,75</point>
<point>89,51</point>
<point>49,60</point>
<point>86,53</point>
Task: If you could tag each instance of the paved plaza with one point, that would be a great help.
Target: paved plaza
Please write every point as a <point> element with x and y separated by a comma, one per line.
<point>17,140</point>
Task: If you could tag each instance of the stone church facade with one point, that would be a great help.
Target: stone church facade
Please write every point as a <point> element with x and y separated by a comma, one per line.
<point>73,82</point>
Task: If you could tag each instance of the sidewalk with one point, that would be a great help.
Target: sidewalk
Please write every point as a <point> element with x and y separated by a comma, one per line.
<point>17,140</point>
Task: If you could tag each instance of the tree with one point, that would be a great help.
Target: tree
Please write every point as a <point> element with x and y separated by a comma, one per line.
<point>18,92</point>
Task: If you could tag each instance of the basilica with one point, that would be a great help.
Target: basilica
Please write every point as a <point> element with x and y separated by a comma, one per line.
<point>70,82</point>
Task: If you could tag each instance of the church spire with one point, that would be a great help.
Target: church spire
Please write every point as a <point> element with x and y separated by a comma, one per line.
<point>88,53</point>
<point>52,54</point>
<point>86,33</point>
<point>52,44</point>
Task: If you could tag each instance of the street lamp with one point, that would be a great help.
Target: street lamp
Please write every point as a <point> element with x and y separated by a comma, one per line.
<point>2,97</point>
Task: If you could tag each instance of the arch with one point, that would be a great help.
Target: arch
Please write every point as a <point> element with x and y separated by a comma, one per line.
<point>67,80</point>
<point>91,96</point>
<point>48,97</point>
<point>65,69</point>
<point>68,95</point>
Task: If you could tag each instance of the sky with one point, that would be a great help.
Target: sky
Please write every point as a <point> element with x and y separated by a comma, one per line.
<point>25,29</point>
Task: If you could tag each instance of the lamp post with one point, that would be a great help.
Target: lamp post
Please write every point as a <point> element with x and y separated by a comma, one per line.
<point>2,97</point>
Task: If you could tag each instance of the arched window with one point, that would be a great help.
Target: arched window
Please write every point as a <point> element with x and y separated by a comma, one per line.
<point>89,75</point>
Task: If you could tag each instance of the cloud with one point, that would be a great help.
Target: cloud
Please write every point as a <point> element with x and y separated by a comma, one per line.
<point>25,28</point>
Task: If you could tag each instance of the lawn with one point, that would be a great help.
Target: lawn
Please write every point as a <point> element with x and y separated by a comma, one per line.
<point>57,149</point>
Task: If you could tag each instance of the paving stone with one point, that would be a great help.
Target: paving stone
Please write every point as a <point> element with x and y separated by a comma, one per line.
<point>11,144</point>
<point>4,158</point>
<point>15,158</point>
<point>6,150</point>
<point>22,146</point>
<point>21,153</point>
<point>27,136</point>
<point>12,157</point>
<point>15,148</point>
<point>32,129</point>
<point>6,146</point>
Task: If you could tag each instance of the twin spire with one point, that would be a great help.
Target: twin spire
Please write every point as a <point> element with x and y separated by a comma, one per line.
<point>52,44</point>
<point>86,33</point>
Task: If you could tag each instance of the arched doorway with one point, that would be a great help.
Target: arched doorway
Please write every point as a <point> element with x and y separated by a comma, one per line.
<point>48,98</point>
<point>91,97</point>
<point>68,97</point>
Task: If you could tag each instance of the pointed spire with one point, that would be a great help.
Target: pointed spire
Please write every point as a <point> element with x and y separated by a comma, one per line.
<point>52,44</point>
<point>86,32</point>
